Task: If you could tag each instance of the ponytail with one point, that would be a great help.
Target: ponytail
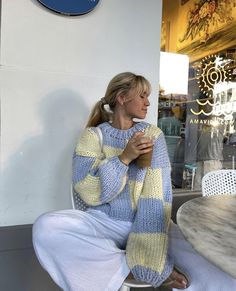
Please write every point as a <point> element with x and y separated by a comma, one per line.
<point>98,114</point>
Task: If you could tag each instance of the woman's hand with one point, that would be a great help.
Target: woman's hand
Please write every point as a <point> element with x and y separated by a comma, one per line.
<point>176,280</point>
<point>137,145</point>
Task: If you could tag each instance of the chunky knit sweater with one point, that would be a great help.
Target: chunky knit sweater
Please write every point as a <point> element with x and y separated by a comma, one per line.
<point>140,195</point>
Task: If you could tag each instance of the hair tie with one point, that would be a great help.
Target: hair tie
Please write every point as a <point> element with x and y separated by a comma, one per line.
<point>103,101</point>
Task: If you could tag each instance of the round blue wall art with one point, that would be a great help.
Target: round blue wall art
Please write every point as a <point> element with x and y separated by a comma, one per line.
<point>70,7</point>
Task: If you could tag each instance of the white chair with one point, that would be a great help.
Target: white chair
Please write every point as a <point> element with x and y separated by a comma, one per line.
<point>219,182</point>
<point>79,204</point>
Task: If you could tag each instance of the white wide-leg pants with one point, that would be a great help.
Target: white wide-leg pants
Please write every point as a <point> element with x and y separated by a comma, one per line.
<point>84,251</point>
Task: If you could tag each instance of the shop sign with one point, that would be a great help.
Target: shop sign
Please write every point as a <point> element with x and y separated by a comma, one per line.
<point>227,109</point>
<point>213,123</point>
<point>213,70</point>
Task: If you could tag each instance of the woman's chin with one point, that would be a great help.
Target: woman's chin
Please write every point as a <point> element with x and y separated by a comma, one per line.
<point>140,116</point>
<point>143,116</point>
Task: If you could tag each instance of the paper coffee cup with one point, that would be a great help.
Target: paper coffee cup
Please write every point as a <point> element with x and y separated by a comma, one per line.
<point>144,160</point>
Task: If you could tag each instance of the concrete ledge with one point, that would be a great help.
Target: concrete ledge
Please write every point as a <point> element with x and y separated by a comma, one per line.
<point>15,237</point>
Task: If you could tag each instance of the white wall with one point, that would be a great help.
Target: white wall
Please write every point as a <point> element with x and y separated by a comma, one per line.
<point>53,70</point>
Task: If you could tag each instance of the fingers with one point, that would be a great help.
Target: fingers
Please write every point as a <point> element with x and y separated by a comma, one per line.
<point>176,280</point>
<point>174,284</point>
<point>141,141</point>
<point>138,144</point>
<point>142,147</point>
<point>136,137</point>
<point>138,133</point>
<point>179,277</point>
<point>178,285</point>
<point>145,148</point>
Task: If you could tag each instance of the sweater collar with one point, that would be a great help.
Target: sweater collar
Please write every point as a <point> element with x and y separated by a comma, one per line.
<point>108,129</point>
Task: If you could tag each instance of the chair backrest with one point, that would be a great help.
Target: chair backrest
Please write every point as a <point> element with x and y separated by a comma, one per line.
<point>77,202</point>
<point>219,182</point>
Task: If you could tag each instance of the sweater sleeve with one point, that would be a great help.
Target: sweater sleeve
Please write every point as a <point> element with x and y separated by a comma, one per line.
<point>147,246</point>
<point>96,179</point>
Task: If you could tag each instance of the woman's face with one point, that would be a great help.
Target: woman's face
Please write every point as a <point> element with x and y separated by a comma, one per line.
<point>136,105</point>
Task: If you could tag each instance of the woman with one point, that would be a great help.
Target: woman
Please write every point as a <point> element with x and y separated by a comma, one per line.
<point>126,225</point>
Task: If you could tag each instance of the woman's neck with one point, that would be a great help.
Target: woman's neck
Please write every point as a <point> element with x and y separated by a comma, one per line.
<point>122,123</point>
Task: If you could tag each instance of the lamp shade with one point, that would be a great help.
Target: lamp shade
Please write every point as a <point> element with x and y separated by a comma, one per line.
<point>174,73</point>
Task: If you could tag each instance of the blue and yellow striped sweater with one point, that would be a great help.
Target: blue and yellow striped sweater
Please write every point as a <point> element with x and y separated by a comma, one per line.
<point>142,196</point>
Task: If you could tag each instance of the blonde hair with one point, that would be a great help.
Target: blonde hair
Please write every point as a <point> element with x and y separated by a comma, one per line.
<point>120,84</point>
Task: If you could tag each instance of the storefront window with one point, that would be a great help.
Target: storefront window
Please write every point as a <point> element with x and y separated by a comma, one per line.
<point>197,109</point>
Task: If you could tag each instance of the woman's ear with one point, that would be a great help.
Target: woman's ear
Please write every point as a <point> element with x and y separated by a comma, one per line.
<point>120,99</point>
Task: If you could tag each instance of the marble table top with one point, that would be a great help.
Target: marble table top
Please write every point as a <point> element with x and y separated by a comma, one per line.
<point>209,224</point>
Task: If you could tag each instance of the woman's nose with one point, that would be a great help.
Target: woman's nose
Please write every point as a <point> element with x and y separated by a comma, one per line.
<point>147,103</point>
